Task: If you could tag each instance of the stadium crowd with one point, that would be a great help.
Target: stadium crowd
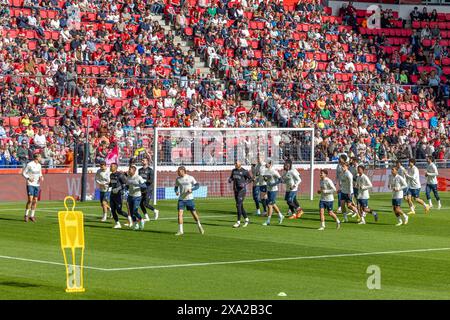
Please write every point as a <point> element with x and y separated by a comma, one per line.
<point>300,66</point>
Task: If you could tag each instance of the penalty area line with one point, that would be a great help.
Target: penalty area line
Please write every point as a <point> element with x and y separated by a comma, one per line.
<point>202,264</point>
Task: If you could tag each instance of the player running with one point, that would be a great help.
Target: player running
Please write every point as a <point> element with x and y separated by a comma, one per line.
<point>184,186</point>
<point>397,184</point>
<point>339,172</point>
<point>272,178</point>
<point>414,185</point>
<point>117,183</point>
<point>363,185</point>
<point>347,191</point>
<point>353,168</point>
<point>134,183</point>
<point>431,176</point>
<point>240,178</point>
<point>326,191</point>
<point>259,190</point>
<point>146,172</point>
<point>291,178</point>
<point>102,180</point>
<point>33,174</point>
<point>401,170</point>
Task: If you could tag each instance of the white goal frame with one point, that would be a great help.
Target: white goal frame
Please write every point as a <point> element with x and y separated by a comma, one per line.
<point>157,167</point>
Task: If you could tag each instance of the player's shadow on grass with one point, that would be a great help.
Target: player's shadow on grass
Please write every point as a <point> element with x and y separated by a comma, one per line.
<point>299,226</point>
<point>12,219</point>
<point>101,225</point>
<point>19,284</point>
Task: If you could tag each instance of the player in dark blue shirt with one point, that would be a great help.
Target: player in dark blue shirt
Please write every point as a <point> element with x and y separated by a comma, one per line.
<point>240,178</point>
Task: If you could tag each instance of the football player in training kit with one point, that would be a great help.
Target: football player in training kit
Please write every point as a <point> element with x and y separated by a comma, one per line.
<point>184,186</point>
<point>292,180</point>
<point>240,178</point>
<point>33,174</point>
<point>414,185</point>
<point>431,175</point>
<point>327,189</point>
<point>102,180</point>
<point>117,183</point>
<point>146,172</point>
<point>272,178</point>
<point>135,183</point>
<point>397,184</point>
<point>259,190</point>
<point>363,185</point>
<point>347,192</point>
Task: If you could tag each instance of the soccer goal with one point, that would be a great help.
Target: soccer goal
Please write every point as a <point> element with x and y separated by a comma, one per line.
<point>209,155</point>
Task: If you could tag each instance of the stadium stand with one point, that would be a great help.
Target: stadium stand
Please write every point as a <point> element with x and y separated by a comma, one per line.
<point>131,65</point>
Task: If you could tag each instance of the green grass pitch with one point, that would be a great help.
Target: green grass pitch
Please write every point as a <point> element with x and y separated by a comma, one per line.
<point>225,263</point>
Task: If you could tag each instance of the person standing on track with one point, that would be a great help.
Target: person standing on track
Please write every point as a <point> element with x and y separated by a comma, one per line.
<point>240,178</point>
<point>146,172</point>
<point>33,174</point>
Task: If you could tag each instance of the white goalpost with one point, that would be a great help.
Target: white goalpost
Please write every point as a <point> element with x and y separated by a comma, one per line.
<point>209,155</point>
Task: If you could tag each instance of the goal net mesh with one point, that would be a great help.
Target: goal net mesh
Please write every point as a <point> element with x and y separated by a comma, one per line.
<point>209,155</point>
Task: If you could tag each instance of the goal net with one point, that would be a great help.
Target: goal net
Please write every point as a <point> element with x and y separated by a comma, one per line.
<point>209,155</point>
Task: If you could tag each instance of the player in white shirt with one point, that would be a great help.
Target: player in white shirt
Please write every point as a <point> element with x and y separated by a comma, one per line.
<point>397,183</point>
<point>414,185</point>
<point>346,182</point>
<point>33,174</point>
<point>432,183</point>
<point>135,183</point>
<point>259,190</point>
<point>273,178</point>
<point>363,185</point>
<point>291,178</point>
<point>102,179</point>
<point>326,191</point>
<point>184,185</point>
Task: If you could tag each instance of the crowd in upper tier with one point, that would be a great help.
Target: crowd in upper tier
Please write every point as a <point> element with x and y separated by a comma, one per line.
<point>374,93</point>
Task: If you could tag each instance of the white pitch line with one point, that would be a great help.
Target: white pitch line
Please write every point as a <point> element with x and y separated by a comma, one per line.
<point>237,261</point>
<point>47,262</point>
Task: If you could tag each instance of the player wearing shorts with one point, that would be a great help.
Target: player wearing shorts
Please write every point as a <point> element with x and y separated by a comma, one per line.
<point>326,191</point>
<point>102,181</point>
<point>363,185</point>
<point>134,184</point>
<point>432,184</point>
<point>146,172</point>
<point>184,186</point>
<point>272,178</point>
<point>414,185</point>
<point>339,172</point>
<point>33,174</point>
<point>397,184</point>
<point>347,192</point>
<point>259,190</point>
<point>291,178</point>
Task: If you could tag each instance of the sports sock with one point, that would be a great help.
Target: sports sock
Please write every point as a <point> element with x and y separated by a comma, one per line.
<point>32,213</point>
<point>405,217</point>
<point>439,202</point>
<point>27,212</point>
<point>337,220</point>
<point>429,201</point>
<point>322,224</point>
<point>399,219</point>
<point>130,220</point>
<point>180,228</point>
<point>280,214</point>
